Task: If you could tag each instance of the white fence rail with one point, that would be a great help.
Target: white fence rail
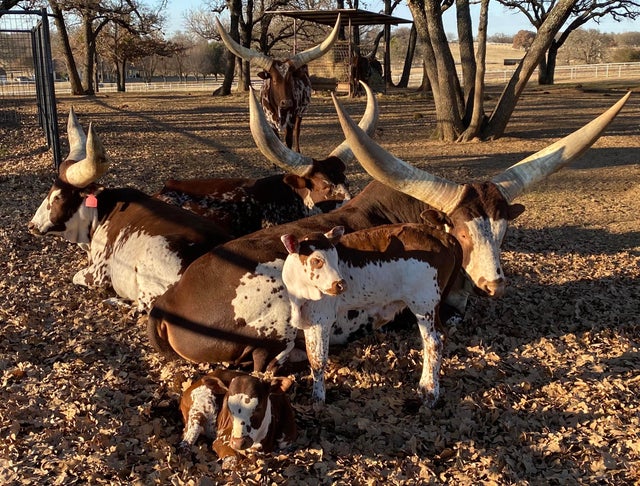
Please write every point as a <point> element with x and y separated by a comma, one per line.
<point>622,70</point>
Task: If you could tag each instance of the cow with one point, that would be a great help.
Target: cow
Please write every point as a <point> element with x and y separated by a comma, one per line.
<point>238,412</point>
<point>231,304</point>
<point>286,87</point>
<point>135,243</point>
<point>380,271</point>
<point>244,205</point>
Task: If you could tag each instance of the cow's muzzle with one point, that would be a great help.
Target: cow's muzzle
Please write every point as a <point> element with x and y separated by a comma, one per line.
<point>337,287</point>
<point>495,288</point>
<point>33,229</point>
<point>286,104</point>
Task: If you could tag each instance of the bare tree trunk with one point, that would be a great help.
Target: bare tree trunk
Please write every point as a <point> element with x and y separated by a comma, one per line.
<point>235,7</point>
<point>477,114</point>
<point>547,67</point>
<point>72,68</point>
<point>440,68</point>
<point>506,104</point>
<point>89,55</point>
<point>465,41</point>
<point>408,58</point>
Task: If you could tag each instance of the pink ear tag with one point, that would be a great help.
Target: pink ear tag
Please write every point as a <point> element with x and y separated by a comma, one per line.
<point>91,201</point>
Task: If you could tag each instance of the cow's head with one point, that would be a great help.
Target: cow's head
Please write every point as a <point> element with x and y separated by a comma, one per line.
<point>249,406</point>
<point>311,268</point>
<point>282,75</point>
<point>476,214</point>
<point>318,181</point>
<point>70,207</point>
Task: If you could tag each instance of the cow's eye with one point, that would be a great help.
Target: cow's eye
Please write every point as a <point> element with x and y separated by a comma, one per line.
<point>316,262</point>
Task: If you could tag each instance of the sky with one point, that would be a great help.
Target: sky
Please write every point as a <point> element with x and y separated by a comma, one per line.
<point>501,21</point>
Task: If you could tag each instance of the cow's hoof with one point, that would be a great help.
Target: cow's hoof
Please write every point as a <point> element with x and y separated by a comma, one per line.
<point>184,448</point>
<point>317,406</point>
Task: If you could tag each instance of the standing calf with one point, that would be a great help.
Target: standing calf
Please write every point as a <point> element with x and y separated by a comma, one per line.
<point>238,411</point>
<point>381,270</point>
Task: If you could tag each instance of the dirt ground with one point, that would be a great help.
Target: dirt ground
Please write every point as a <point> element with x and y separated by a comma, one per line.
<point>539,387</point>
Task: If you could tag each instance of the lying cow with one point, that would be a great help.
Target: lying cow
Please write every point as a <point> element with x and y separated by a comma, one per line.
<point>137,244</point>
<point>244,205</point>
<point>286,86</point>
<point>380,271</point>
<point>231,304</point>
<point>238,412</point>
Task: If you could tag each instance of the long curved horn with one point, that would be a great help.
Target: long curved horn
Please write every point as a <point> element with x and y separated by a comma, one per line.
<point>76,136</point>
<point>270,145</point>
<point>517,178</point>
<point>261,60</point>
<point>305,57</point>
<point>368,124</point>
<point>91,168</point>
<point>440,193</point>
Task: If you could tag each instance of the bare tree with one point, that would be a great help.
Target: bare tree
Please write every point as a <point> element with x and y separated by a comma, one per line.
<point>455,106</point>
<point>583,11</point>
<point>94,15</point>
<point>587,46</point>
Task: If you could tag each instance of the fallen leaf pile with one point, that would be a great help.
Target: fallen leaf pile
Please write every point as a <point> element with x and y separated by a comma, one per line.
<point>539,387</point>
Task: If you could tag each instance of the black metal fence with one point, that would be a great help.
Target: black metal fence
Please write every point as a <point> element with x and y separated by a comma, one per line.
<point>27,93</point>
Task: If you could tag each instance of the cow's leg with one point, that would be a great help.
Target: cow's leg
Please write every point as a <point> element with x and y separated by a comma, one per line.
<point>316,339</point>
<point>92,276</point>
<point>432,357</point>
<point>202,417</point>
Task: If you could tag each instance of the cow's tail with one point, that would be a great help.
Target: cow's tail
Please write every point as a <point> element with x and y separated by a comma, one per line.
<point>156,332</point>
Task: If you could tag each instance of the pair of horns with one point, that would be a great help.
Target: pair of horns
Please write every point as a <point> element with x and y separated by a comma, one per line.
<point>265,62</point>
<point>445,195</point>
<point>278,153</point>
<point>88,152</point>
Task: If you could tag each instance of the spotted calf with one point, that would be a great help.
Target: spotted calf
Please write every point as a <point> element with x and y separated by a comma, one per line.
<point>239,412</point>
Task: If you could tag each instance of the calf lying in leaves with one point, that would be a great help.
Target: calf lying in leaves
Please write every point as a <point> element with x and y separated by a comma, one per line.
<point>239,412</point>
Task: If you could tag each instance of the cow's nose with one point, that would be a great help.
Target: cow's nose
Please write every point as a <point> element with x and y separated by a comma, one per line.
<point>33,229</point>
<point>338,287</point>
<point>495,288</point>
<point>286,104</point>
<point>240,443</point>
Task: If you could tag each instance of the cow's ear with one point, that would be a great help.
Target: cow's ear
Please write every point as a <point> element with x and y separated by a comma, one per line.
<point>280,384</point>
<point>515,210</point>
<point>263,75</point>
<point>215,384</point>
<point>436,218</point>
<point>290,242</point>
<point>334,234</point>
<point>295,181</point>
<point>92,188</point>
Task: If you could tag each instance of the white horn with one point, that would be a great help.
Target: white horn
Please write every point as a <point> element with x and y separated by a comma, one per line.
<point>261,60</point>
<point>440,193</point>
<point>368,124</point>
<point>305,57</point>
<point>76,136</point>
<point>91,168</point>
<point>517,178</point>
<point>269,143</point>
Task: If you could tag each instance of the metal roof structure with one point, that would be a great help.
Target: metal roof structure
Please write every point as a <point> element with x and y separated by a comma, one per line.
<point>348,16</point>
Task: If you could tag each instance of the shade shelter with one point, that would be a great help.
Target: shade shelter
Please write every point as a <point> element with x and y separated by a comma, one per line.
<point>349,18</point>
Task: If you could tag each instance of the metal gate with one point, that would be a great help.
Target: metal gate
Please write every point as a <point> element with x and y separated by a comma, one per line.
<point>27,93</point>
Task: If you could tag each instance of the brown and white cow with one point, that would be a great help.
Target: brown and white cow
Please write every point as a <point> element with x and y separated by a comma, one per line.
<point>379,271</point>
<point>136,244</point>
<point>238,412</point>
<point>231,304</point>
<point>244,205</point>
<point>286,87</point>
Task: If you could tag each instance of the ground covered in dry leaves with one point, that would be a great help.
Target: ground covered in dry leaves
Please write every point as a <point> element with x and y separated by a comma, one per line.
<point>540,387</point>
